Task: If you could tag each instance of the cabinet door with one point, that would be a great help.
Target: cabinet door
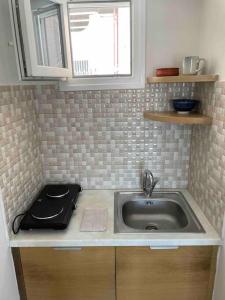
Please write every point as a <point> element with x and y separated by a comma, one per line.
<point>85,274</point>
<point>182,274</point>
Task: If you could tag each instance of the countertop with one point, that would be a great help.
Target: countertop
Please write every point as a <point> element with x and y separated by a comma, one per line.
<point>72,237</point>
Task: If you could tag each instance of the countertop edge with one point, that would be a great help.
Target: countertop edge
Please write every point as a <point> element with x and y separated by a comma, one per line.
<point>124,243</point>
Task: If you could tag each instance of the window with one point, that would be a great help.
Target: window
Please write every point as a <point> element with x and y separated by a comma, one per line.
<point>90,44</point>
<point>48,36</point>
<point>42,38</point>
<point>107,45</point>
<point>101,38</point>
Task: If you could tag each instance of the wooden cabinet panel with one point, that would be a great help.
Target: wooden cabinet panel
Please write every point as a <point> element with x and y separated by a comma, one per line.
<point>183,274</point>
<point>141,273</point>
<point>86,274</point>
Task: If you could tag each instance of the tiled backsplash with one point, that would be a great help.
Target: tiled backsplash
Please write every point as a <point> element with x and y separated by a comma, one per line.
<point>20,160</point>
<point>100,139</point>
<point>207,165</point>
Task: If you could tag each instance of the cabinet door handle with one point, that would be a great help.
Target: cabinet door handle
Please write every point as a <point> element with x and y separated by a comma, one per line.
<point>164,247</point>
<point>67,249</point>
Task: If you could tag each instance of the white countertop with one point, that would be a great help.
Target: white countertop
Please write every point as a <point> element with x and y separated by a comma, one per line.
<point>72,237</point>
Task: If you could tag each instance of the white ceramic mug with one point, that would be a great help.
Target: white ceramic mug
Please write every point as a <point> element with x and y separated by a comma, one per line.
<point>193,65</point>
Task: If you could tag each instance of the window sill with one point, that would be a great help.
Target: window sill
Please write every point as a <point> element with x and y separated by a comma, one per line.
<point>102,84</point>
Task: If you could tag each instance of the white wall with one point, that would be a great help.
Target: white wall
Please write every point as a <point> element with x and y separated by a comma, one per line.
<point>8,69</point>
<point>212,36</point>
<point>173,31</point>
<point>8,284</point>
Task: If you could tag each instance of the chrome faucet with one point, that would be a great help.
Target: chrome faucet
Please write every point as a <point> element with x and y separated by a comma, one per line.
<point>149,183</point>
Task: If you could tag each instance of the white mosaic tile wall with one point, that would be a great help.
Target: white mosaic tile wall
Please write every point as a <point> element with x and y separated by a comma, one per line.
<point>20,159</point>
<point>207,164</point>
<point>97,138</point>
<point>100,139</point>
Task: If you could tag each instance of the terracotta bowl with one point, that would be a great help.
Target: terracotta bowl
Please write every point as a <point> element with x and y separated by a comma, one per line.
<point>167,72</point>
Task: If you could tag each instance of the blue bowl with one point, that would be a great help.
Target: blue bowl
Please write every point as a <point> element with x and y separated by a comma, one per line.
<point>184,105</point>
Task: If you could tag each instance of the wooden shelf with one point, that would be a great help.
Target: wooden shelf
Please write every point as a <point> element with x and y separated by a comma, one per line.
<point>183,78</point>
<point>173,117</point>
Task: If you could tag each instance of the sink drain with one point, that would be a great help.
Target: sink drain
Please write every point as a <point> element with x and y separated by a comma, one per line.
<point>151,227</point>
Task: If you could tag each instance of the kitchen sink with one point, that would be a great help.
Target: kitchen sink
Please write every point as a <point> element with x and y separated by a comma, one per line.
<point>163,212</point>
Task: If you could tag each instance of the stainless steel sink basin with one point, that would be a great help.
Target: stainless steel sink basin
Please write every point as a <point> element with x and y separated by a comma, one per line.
<point>163,212</point>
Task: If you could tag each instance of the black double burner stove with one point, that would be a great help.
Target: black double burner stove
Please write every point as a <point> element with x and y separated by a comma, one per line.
<point>52,208</point>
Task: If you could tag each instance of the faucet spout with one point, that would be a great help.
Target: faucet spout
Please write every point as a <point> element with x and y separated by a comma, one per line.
<point>149,183</point>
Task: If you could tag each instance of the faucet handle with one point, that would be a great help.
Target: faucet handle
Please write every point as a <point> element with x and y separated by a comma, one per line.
<point>148,179</point>
<point>148,174</point>
<point>152,180</point>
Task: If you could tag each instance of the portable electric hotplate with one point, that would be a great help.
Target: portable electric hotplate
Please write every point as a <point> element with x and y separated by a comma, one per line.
<point>52,208</point>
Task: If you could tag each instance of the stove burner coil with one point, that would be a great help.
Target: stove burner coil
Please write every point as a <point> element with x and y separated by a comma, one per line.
<point>57,191</point>
<point>48,217</point>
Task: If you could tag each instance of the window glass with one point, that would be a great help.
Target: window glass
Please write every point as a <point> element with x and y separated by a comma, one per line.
<point>48,37</point>
<point>101,38</point>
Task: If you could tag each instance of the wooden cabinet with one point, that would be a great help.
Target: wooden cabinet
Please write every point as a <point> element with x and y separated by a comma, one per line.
<point>72,274</point>
<point>186,273</point>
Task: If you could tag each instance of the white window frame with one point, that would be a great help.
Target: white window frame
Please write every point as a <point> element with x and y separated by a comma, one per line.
<point>137,79</point>
<point>33,69</point>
